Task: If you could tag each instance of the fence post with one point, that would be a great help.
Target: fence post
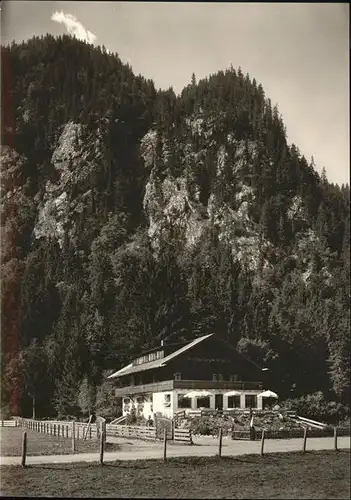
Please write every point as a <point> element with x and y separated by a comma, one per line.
<point>90,432</point>
<point>73,437</point>
<point>54,429</point>
<point>262,442</point>
<point>220,442</point>
<point>67,433</point>
<point>335,438</point>
<point>24,449</point>
<point>101,449</point>
<point>165,444</point>
<point>304,439</point>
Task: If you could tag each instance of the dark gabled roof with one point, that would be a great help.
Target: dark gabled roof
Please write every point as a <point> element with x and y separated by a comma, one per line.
<point>158,363</point>
<point>175,345</point>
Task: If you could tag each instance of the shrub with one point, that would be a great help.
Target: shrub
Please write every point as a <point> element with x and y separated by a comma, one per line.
<point>131,418</point>
<point>202,428</point>
<point>5,413</point>
<point>316,407</point>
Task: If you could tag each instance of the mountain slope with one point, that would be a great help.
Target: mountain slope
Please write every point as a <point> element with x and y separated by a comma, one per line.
<point>131,215</point>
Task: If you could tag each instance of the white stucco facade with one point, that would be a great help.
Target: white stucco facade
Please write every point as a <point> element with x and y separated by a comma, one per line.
<point>167,403</point>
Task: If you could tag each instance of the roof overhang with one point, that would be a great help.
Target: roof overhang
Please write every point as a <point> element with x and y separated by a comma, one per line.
<point>159,363</point>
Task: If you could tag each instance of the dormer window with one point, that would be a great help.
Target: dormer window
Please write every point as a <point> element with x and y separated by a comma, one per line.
<point>217,377</point>
<point>177,376</point>
<point>233,378</point>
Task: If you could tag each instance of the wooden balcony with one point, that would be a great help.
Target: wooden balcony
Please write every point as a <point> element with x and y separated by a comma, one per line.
<point>166,385</point>
<point>210,384</point>
<point>169,385</point>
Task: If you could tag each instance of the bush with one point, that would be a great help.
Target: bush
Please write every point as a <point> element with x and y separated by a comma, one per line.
<point>131,418</point>
<point>5,413</point>
<point>202,428</point>
<point>316,407</point>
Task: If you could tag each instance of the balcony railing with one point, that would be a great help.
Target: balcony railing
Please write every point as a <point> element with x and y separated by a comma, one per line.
<point>169,385</point>
<point>211,384</point>
<point>166,385</point>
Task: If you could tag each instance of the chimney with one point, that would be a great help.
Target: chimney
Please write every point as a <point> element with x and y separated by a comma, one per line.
<point>162,343</point>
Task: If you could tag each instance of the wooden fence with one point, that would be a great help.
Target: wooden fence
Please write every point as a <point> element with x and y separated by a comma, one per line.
<point>60,428</point>
<point>138,432</point>
<point>131,431</point>
<point>163,423</point>
<point>289,433</point>
<point>83,431</point>
<point>183,435</point>
<point>9,423</point>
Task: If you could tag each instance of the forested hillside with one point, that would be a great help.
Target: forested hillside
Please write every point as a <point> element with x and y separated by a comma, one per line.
<point>131,215</point>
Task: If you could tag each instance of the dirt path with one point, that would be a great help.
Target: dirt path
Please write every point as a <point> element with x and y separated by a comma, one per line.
<point>143,450</point>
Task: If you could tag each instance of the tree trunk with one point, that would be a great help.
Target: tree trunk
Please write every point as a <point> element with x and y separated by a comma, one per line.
<point>33,407</point>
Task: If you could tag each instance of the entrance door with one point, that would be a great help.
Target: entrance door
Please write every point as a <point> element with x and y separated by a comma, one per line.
<point>219,401</point>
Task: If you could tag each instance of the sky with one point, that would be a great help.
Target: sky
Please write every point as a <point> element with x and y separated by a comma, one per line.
<point>299,52</point>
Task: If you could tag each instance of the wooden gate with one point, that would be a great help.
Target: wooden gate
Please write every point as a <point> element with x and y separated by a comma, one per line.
<point>162,423</point>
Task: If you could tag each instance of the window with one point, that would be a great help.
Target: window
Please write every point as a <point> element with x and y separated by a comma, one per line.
<point>203,402</point>
<point>183,402</point>
<point>220,377</point>
<point>214,377</point>
<point>126,401</point>
<point>167,402</point>
<point>217,377</point>
<point>233,378</point>
<point>177,376</point>
<point>233,401</point>
<point>250,401</point>
<point>140,399</point>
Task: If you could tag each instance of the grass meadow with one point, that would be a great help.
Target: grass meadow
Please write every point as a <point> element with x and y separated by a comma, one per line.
<point>322,474</point>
